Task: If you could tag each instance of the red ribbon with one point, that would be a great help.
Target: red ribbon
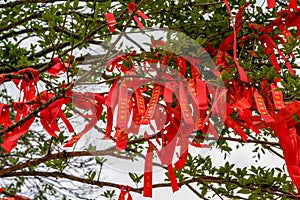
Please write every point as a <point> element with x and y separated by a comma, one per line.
<point>242,73</point>
<point>184,104</point>
<point>148,172</point>
<point>277,97</point>
<point>290,142</point>
<point>123,114</point>
<point>27,85</point>
<point>87,101</point>
<point>121,139</point>
<point>125,190</point>
<point>261,107</point>
<point>152,104</point>
<point>131,6</point>
<point>287,112</point>
<point>181,63</point>
<point>294,5</point>
<point>172,178</point>
<point>110,18</point>
<point>201,94</point>
<point>168,94</point>
<point>110,99</point>
<point>109,123</point>
<point>271,4</point>
<point>270,50</point>
<point>236,127</point>
<point>140,102</point>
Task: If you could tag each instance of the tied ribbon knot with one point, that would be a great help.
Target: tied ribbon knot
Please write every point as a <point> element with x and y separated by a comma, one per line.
<point>131,7</point>
<point>125,191</point>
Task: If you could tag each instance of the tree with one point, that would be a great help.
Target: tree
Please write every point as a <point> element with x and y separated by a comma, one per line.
<point>223,75</point>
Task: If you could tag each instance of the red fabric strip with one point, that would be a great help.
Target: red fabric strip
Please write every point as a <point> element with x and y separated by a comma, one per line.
<point>172,178</point>
<point>121,139</point>
<point>271,4</point>
<point>237,128</point>
<point>110,18</point>
<point>148,173</point>
<point>152,104</point>
<point>109,123</point>
<point>168,94</point>
<point>242,73</point>
<point>140,102</point>
<point>184,104</point>
<point>294,4</point>
<point>261,107</point>
<point>201,94</point>
<point>123,114</point>
<point>277,97</point>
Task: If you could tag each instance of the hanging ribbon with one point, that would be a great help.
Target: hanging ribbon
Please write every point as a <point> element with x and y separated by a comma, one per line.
<point>242,73</point>
<point>109,123</point>
<point>172,178</point>
<point>110,99</point>
<point>183,143</point>
<point>168,94</point>
<point>236,128</point>
<point>289,142</point>
<point>277,97</point>
<point>184,104</point>
<point>110,18</point>
<point>121,139</point>
<point>201,92</point>
<point>140,102</point>
<point>271,46</point>
<point>123,114</point>
<point>152,104</point>
<point>181,63</point>
<point>261,107</point>
<point>148,172</point>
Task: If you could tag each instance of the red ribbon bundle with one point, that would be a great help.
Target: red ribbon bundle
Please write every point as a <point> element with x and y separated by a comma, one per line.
<point>28,83</point>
